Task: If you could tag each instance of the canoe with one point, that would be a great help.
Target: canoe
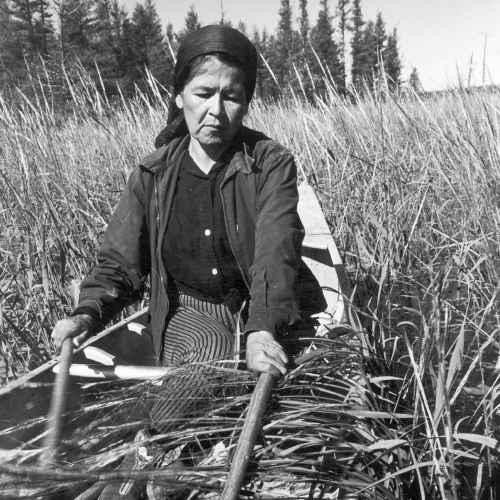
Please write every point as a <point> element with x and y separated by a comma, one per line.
<point>125,351</point>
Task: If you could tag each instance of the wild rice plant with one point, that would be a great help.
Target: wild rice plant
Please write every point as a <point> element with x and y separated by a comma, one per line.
<point>410,188</point>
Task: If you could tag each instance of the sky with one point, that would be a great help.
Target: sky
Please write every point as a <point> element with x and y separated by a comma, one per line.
<point>441,38</point>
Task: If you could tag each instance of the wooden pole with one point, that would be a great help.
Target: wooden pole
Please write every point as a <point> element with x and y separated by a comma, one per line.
<point>58,403</point>
<point>248,436</point>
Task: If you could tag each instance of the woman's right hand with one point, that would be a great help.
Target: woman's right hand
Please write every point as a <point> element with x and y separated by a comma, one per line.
<point>78,327</point>
<point>265,355</point>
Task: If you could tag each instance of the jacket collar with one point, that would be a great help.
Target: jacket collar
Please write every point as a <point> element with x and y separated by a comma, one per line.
<point>164,157</point>
<point>241,161</point>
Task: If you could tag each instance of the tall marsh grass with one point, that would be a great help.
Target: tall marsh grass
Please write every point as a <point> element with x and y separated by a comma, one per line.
<point>411,190</point>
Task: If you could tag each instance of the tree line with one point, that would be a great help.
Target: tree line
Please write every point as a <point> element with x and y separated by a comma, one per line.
<point>52,41</point>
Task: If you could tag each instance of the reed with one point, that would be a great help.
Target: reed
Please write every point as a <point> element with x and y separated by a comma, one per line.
<point>410,186</point>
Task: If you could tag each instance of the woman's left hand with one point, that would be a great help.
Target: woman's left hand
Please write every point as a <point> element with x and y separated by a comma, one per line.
<point>265,355</point>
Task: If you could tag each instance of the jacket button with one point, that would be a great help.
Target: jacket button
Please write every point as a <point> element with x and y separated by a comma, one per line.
<point>214,271</point>
<point>207,232</point>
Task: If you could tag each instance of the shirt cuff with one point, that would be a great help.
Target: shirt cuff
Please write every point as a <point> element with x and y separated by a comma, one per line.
<point>89,311</point>
<point>267,320</point>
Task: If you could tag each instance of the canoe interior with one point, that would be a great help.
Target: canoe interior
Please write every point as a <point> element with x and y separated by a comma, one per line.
<point>321,256</point>
<point>29,397</point>
<point>32,399</point>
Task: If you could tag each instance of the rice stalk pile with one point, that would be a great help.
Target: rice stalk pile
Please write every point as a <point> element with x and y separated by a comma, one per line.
<point>323,433</point>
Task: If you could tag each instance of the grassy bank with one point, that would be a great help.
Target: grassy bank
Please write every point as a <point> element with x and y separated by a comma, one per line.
<point>411,189</point>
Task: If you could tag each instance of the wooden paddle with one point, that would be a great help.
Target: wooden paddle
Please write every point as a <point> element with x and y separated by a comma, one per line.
<point>248,436</point>
<point>58,404</point>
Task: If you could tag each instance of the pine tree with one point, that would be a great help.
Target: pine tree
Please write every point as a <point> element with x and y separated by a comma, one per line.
<point>140,36</point>
<point>191,24</point>
<point>104,41</point>
<point>308,60</point>
<point>23,14</point>
<point>274,88</point>
<point>76,27</point>
<point>120,34</point>
<point>392,60</point>
<point>368,57</point>
<point>242,27</point>
<point>284,50</point>
<point>170,33</point>
<point>379,39</point>
<point>112,46</point>
<point>148,42</point>
<point>126,54</point>
<point>102,30</point>
<point>266,86</point>
<point>257,42</point>
<point>325,46</point>
<point>5,32</point>
<point>224,21</point>
<point>44,27</point>
<point>414,80</point>
<point>171,42</point>
<point>61,35</point>
<point>11,51</point>
<point>342,13</point>
<point>4,22</point>
<point>304,24</point>
<point>356,27</point>
<point>380,33</point>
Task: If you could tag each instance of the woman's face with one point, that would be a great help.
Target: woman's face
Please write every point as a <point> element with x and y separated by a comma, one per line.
<point>214,104</point>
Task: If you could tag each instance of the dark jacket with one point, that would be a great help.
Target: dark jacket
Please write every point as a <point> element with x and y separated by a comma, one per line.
<point>259,196</point>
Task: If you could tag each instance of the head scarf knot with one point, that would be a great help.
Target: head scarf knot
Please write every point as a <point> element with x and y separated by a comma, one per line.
<point>208,40</point>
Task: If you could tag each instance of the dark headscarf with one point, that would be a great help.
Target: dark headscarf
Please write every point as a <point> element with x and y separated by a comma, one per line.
<point>208,40</point>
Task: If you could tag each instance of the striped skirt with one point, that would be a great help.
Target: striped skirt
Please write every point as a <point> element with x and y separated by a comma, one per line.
<point>196,332</point>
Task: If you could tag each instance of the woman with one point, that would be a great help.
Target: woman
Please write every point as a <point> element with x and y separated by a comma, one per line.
<point>211,217</point>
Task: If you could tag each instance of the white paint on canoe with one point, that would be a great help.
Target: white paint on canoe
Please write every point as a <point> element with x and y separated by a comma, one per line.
<point>100,356</point>
<point>122,372</point>
<point>137,328</point>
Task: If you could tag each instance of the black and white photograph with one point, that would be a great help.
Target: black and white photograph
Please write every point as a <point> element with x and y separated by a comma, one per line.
<point>249,250</point>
